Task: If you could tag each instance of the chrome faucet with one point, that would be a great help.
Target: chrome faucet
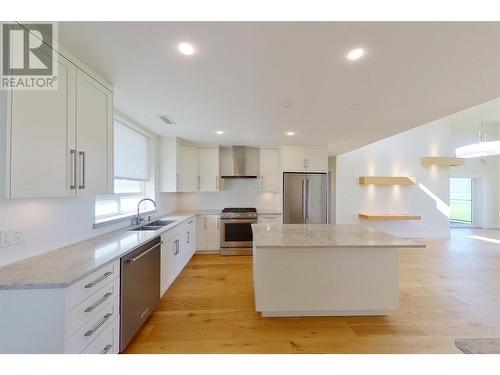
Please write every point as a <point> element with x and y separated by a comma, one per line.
<point>138,219</point>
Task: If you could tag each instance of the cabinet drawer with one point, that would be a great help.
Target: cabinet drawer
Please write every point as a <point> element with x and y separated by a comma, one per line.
<point>269,219</point>
<point>84,288</point>
<point>108,340</point>
<point>90,330</point>
<point>93,305</point>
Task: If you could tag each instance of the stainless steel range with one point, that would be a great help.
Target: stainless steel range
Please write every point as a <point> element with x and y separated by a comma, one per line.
<point>236,231</point>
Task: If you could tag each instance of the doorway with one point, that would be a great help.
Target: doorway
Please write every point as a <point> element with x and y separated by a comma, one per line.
<point>462,201</point>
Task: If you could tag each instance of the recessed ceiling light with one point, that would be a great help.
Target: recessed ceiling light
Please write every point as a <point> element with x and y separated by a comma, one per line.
<point>185,48</point>
<point>356,54</point>
<point>286,104</point>
<point>219,132</point>
<point>290,133</point>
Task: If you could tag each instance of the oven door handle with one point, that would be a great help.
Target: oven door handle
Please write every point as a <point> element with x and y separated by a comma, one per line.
<point>241,221</point>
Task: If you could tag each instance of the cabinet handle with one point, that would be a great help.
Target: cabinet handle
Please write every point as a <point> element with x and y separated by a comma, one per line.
<point>176,251</point>
<point>90,332</point>
<point>189,239</point>
<point>82,171</point>
<point>198,182</point>
<point>97,281</point>
<point>73,169</point>
<point>177,181</point>
<point>104,298</point>
<point>216,182</point>
<point>218,223</point>
<point>106,349</point>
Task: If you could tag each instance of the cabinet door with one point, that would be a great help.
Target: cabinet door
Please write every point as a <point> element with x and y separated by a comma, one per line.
<point>317,158</point>
<point>209,169</point>
<point>42,137</point>
<point>190,238</point>
<point>94,136</point>
<point>167,265</point>
<point>213,232</point>
<point>293,158</point>
<point>201,232</point>
<point>189,168</point>
<point>269,169</point>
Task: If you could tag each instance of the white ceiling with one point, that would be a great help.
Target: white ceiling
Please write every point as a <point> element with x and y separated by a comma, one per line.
<point>241,72</point>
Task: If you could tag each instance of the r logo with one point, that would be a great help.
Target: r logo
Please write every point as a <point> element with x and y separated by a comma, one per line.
<point>24,51</point>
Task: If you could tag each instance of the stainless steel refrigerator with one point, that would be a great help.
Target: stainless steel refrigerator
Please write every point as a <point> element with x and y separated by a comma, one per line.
<point>305,198</point>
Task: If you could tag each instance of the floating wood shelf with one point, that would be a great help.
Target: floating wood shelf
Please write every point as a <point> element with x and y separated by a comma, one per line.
<point>386,180</point>
<point>389,217</point>
<point>441,161</point>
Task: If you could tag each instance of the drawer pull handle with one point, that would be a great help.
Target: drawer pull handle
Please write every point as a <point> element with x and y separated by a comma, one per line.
<point>90,332</point>
<point>106,349</point>
<point>104,298</point>
<point>95,282</point>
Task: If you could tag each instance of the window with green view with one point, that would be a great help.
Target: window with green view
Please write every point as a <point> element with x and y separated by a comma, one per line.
<point>461,200</point>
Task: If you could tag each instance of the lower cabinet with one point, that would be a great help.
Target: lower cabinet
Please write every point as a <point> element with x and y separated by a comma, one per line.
<point>207,233</point>
<point>177,249</point>
<point>82,318</point>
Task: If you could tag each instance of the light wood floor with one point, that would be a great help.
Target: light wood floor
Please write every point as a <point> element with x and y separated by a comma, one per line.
<point>450,289</point>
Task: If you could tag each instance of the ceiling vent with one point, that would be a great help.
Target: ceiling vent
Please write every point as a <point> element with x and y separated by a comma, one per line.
<point>166,119</point>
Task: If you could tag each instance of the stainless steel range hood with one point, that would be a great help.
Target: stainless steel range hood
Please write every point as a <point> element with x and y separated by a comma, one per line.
<point>240,169</point>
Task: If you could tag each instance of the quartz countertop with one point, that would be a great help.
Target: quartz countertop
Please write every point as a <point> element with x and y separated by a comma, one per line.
<point>326,235</point>
<point>69,264</point>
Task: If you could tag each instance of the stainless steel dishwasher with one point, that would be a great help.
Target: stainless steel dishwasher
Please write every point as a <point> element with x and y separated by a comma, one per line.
<point>140,288</point>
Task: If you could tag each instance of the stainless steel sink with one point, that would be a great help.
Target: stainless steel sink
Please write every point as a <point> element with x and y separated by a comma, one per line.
<point>154,225</point>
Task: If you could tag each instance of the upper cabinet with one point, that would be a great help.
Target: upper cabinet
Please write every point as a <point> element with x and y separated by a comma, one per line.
<point>269,169</point>
<point>209,168</point>
<point>94,136</point>
<point>60,140</point>
<point>188,168</point>
<point>304,158</point>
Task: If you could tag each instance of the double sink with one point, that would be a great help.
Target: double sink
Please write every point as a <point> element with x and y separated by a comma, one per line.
<point>154,225</point>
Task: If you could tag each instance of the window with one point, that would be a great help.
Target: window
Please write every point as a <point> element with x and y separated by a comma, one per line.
<point>461,206</point>
<point>131,167</point>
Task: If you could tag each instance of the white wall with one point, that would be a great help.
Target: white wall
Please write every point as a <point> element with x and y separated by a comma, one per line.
<point>398,155</point>
<point>234,193</point>
<point>485,173</point>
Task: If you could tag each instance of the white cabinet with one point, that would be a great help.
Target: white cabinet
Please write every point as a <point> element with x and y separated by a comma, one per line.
<point>177,249</point>
<point>269,169</point>
<point>209,168</point>
<point>188,168</point>
<point>170,165</point>
<point>207,233</point>
<point>61,141</point>
<point>304,158</point>
<point>82,318</point>
<point>42,132</point>
<point>94,124</point>
<point>269,218</point>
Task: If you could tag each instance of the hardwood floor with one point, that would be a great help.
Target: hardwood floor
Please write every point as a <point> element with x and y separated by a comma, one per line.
<point>449,290</point>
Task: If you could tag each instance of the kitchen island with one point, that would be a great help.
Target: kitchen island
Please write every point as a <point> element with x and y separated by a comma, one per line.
<point>325,270</point>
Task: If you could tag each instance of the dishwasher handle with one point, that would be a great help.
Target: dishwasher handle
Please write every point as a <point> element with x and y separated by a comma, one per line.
<point>132,260</point>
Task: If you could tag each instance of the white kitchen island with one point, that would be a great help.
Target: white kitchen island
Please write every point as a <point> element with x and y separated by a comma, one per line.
<point>325,270</point>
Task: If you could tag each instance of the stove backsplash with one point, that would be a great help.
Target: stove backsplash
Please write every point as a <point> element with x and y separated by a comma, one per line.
<point>235,193</point>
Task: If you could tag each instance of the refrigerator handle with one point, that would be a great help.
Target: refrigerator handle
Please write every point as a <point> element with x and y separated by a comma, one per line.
<point>307,198</point>
<point>304,200</point>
